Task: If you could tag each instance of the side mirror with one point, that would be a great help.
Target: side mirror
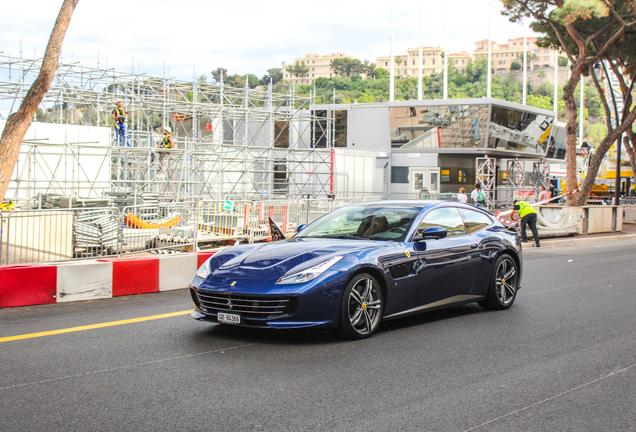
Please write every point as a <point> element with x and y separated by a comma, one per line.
<point>301,227</point>
<point>431,233</point>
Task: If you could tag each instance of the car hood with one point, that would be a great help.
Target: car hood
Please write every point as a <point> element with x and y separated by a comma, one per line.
<point>271,261</point>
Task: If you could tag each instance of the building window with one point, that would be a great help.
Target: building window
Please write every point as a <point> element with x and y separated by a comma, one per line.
<point>414,65</point>
<point>399,174</point>
<point>424,61</point>
<point>386,63</point>
<point>434,63</point>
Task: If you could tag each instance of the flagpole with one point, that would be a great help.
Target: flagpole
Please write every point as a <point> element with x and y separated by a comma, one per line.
<point>392,74</point>
<point>556,76</point>
<point>488,94</point>
<point>419,68</point>
<point>445,49</point>
<point>525,63</point>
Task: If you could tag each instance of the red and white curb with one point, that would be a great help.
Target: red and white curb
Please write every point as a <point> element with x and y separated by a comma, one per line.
<point>42,283</point>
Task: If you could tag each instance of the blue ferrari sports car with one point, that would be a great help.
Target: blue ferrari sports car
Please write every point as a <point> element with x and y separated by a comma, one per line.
<point>361,264</point>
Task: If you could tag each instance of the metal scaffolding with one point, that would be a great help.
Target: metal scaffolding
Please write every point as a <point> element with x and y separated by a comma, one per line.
<point>229,142</point>
<point>485,175</point>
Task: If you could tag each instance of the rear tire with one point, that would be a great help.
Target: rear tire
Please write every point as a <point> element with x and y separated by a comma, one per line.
<point>361,307</point>
<point>503,285</point>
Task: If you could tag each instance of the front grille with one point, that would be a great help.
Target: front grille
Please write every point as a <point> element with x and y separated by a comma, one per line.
<point>248,306</point>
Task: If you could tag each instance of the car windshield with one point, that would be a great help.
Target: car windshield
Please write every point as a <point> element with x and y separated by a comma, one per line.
<point>364,222</point>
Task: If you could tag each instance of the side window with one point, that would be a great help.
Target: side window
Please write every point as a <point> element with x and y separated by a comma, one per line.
<point>474,221</point>
<point>447,217</point>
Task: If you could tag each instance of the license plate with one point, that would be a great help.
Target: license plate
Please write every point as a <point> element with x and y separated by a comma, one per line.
<point>227,318</point>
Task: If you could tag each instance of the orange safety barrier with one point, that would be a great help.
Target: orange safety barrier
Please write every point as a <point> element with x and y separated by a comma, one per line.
<point>133,221</point>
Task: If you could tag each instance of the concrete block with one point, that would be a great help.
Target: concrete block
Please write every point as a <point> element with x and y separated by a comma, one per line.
<point>27,285</point>
<point>84,280</point>
<point>176,271</point>
<point>134,275</point>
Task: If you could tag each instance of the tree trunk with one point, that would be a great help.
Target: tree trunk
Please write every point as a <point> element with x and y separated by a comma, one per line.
<point>18,123</point>
<point>570,134</point>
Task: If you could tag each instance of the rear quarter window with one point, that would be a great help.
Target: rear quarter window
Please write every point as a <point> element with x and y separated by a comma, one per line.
<point>474,220</point>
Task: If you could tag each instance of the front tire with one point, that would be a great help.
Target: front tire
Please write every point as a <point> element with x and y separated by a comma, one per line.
<point>361,307</point>
<point>503,285</point>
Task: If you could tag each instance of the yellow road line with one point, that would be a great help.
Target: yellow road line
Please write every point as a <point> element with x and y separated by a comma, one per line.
<point>93,326</point>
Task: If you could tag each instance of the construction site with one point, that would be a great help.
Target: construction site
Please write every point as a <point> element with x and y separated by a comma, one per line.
<point>229,145</point>
<point>243,161</point>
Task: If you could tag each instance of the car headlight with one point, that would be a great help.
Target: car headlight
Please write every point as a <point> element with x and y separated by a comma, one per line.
<point>310,273</point>
<point>204,270</point>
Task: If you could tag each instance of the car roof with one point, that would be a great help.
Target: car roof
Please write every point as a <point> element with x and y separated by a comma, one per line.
<point>419,204</point>
<point>416,204</point>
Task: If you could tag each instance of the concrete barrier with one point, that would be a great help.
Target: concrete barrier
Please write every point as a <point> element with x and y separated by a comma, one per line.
<point>134,275</point>
<point>84,280</point>
<point>37,284</point>
<point>27,285</point>
<point>176,271</point>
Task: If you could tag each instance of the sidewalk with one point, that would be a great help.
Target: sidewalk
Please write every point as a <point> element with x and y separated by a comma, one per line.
<point>629,232</point>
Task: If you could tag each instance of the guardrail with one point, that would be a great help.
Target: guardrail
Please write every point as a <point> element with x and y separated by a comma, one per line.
<point>62,234</point>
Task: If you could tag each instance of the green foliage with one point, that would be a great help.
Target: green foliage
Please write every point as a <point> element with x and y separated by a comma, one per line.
<point>218,74</point>
<point>273,74</point>
<point>576,10</point>
<point>380,73</point>
<point>595,132</point>
<point>514,66</point>
<point>299,70</point>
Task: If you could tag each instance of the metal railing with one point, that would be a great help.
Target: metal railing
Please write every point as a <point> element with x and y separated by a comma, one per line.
<point>65,234</point>
<point>62,234</point>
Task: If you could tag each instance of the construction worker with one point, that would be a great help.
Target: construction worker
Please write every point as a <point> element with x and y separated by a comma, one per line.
<point>528,216</point>
<point>119,115</point>
<point>166,142</point>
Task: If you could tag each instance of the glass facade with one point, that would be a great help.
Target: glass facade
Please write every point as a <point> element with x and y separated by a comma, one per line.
<point>512,129</point>
<point>473,126</point>
<point>454,126</point>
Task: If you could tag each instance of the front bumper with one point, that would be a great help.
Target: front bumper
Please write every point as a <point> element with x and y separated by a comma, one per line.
<point>311,305</point>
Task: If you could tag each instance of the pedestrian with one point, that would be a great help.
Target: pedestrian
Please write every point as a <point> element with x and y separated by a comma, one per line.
<point>119,115</point>
<point>461,197</point>
<point>528,216</point>
<point>544,194</point>
<point>166,143</point>
<point>478,196</point>
<point>554,191</point>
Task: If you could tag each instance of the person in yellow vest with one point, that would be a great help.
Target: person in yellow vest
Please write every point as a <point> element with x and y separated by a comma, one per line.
<point>166,142</point>
<point>528,216</point>
<point>119,115</point>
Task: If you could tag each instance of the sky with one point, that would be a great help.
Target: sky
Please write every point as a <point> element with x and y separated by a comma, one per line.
<point>194,37</point>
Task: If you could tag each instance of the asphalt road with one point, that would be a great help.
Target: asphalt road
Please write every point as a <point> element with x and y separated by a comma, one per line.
<point>563,358</point>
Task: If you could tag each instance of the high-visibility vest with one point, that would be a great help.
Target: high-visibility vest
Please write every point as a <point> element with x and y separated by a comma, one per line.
<point>525,208</point>
<point>121,113</point>
<point>165,142</point>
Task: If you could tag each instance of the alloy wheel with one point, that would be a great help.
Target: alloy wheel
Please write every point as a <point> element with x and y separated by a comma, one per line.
<point>365,306</point>
<point>506,280</point>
